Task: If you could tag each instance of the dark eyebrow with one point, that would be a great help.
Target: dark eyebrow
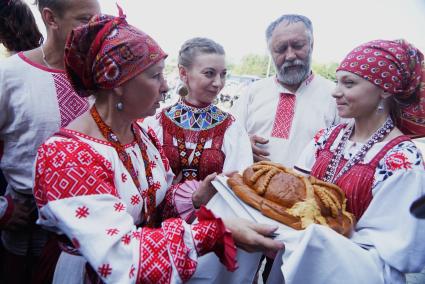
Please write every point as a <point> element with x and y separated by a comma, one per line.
<point>209,69</point>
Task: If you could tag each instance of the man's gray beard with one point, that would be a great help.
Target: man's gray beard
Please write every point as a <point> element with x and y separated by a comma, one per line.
<point>294,77</point>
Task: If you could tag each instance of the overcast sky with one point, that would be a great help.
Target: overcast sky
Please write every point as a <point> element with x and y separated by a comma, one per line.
<point>239,25</point>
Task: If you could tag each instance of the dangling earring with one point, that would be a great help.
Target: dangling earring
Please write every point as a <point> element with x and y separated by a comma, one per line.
<point>119,106</point>
<point>183,91</point>
<point>380,107</point>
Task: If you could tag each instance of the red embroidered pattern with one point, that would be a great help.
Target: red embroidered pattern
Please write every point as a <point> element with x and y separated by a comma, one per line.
<point>154,265</point>
<point>123,177</point>
<point>132,271</point>
<point>168,207</point>
<point>135,199</point>
<point>126,239</point>
<point>398,161</point>
<point>150,193</point>
<point>112,232</point>
<point>105,270</point>
<point>119,207</point>
<point>158,145</point>
<point>70,104</point>
<point>174,232</point>
<point>82,212</point>
<point>152,164</point>
<point>71,168</point>
<point>318,135</point>
<point>284,116</point>
<point>136,235</point>
<point>190,171</point>
<point>204,236</point>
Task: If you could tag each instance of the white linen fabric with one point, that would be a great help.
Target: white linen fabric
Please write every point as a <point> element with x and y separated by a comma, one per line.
<point>387,241</point>
<point>314,109</point>
<point>84,191</point>
<point>35,101</point>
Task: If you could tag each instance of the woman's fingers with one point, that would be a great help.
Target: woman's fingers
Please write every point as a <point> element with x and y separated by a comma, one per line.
<point>209,178</point>
<point>259,158</point>
<point>263,229</point>
<point>253,237</point>
<point>229,174</point>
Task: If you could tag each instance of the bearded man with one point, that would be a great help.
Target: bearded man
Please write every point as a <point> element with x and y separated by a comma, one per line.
<point>283,113</point>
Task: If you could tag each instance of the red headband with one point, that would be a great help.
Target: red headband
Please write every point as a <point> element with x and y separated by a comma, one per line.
<point>107,52</point>
<point>398,68</point>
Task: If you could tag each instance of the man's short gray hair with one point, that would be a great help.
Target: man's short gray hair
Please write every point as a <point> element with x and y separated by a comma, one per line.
<point>290,19</point>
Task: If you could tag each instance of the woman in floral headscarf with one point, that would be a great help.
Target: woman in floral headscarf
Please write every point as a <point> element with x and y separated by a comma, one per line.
<point>380,84</point>
<point>103,182</point>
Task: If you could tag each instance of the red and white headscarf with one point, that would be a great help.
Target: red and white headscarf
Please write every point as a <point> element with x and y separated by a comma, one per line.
<point>398,68</point>
<point>107,52</point>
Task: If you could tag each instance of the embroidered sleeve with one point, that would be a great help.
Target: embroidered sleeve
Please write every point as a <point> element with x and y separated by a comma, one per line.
<point>76,196</point>
<point>70,168</point>
<point>403,157</point>
<point>178,201</point>
<point>167,255</point>
<point>321,137</point>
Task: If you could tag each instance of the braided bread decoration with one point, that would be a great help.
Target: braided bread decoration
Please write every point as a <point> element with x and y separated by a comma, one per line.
<point>292,199</point>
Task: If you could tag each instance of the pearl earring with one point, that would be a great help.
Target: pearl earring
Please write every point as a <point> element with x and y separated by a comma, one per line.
<point>119,106</point>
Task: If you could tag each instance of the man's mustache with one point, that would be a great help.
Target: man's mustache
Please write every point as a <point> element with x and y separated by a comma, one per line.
<point>294,63</point>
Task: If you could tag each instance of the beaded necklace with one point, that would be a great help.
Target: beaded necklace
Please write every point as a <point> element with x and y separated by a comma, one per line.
<point>330,174</point>
<point>197,118</point>
<point>190,172</point>
<point>150,193</point>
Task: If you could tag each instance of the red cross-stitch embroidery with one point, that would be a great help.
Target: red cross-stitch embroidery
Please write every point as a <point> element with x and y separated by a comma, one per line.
<point>72,176</point>
<point>112,231</point>
<point>132,270</point>
<point>156,185</point>
<point>105,270</point>
<point>126,239</point>
<point>152,164</point>
<point>82,212</point>
<point>174,232</point>
<point>284,116</point>
<point>154,265</point>
<point>119,207</point>
<point>136,235</point>
<point>70,104</point>
<point>135,199</point>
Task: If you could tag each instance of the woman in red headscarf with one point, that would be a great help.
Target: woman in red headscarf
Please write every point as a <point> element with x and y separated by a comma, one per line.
<point>380,86</point>
<point>104,184</point>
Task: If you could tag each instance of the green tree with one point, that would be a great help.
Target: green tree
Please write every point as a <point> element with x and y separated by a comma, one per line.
<point>326,70</point>
<point>252,64</point>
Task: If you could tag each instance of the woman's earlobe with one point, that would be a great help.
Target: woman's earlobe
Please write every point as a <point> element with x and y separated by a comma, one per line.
<point>183,74</point>
<point>49,18</point>
<point>119,91</point>
<point>385,95</point>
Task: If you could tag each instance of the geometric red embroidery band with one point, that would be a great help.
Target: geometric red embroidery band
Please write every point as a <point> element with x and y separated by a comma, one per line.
<point>284,116</point>
<point>70,104</point>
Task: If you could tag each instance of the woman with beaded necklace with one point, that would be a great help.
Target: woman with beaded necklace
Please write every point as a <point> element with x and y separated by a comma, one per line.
<point>198,138</point>
<point>380,84</point>
<point>103,183</point>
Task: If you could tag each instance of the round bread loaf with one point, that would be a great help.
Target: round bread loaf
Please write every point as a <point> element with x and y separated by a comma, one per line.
<point>292,199</point>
